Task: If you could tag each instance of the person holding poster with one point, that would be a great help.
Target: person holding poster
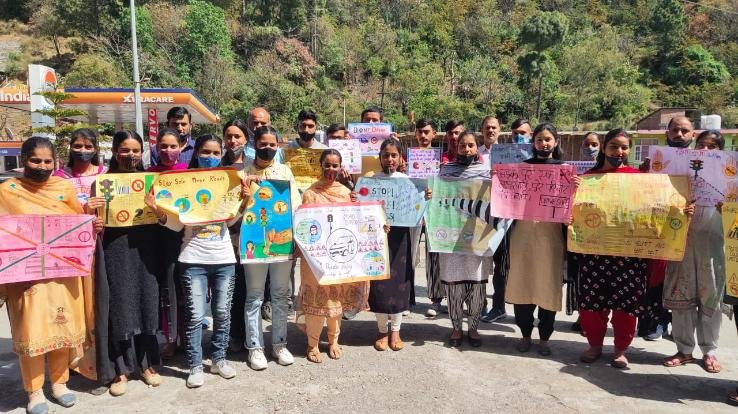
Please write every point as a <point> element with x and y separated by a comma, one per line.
<point>126,288</point>
<point>537,283</point>
<point>325,304</point>
<point>453,129</point>
<point>694,287</point>
<point>465,276</point>
<point>50,320</point>
<point>388,299</point>
<point>84,162</point>
<point>207,266</point>
<point>280,273</point>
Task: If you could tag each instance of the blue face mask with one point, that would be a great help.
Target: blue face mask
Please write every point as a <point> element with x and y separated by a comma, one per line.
<point>208,162</point>
<point>522,139</point>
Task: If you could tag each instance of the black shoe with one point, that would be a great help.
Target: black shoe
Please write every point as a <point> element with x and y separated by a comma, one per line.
<point>576,327</point>
<point>475,342</point>
<point>266,311</point>
<point>455,342</point>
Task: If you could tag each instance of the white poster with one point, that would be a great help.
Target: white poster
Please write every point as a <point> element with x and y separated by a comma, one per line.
<point>350,150</point>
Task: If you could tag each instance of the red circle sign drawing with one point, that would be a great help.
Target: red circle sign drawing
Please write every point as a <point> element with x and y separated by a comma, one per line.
<point>123,216</point>
<point>137,185</point>
<point>84,237</point>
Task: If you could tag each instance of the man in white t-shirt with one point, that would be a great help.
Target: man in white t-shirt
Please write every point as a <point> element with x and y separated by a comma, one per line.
<point>490,132</point>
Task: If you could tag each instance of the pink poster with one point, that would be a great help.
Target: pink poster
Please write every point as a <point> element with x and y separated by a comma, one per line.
<point>533,192</point>
<point>45,247</point>
<point>82,187</point>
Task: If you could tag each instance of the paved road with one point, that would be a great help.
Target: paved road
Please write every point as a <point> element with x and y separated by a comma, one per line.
<point>427,376</point>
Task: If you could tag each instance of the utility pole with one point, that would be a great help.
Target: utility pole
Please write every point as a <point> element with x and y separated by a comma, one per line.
<point>137,80</point>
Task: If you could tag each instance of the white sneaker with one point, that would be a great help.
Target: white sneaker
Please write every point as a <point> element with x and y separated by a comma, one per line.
<point>283,355</point>
<point>196,377</point>
<point>223,369</point>
<point>433,310</point>
<point>257,360</point>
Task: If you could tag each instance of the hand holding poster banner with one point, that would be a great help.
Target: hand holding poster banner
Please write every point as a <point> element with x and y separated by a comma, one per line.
<point>124,195</point>
<point>582,166</point>
<point>635,215</point>
<point>533,192</point>
<point>343,242</point>
<point>730,232</point>
<point>304,164</point>
<point>712,174</point>
<point>423,162</point>
<point>199,196</point>
<point>266,228</point>
<point>370,135</point>
<point>509,153</point>
<point>350,150</point>
<point>45,247</point>
<point>403,198</point>
<point>458,218</point>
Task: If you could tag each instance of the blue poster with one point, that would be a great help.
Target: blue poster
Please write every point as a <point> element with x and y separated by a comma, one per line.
<point>509,153</point>
<point>266,229</point>
<point>404,198</point>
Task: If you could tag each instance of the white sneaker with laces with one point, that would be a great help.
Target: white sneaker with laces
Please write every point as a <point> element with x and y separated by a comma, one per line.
<point>257,360</point>
<point>196,377</point>
<point>223,369</point>
<point>283,355</point>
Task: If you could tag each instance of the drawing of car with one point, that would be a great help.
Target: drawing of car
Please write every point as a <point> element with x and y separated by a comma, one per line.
<point>342,246</point>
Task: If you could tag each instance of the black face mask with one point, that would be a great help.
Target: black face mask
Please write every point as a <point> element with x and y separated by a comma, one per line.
<point>236,152</point>
<point>129,163</point>
<point>82,156</point>
<point>36,174</point>
<point>465,159</point>
<point>543,153</point>
<point>678,144</point>
<point>306,137</point>
<point>615,161</point>
<point>266,153</point>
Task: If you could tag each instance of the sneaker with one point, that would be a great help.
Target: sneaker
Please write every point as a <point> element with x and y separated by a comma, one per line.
<point>266,311</point>
<point>257,360</point>
<point>434,309</point>
<point>494,315</point>
<point>656,334</point>
<point>283,355</point>
<point>223,369</point>
<point>196,377</point>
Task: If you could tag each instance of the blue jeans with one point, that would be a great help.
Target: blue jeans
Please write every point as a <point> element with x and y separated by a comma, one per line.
<point>280,289</point>
<point>195,279</point>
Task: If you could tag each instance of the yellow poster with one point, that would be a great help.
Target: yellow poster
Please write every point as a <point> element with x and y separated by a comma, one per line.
<point>730,229</point>
<point>305,165</point>
<point>634,215</point>
<point>124,198</point>
<point>200,196</point>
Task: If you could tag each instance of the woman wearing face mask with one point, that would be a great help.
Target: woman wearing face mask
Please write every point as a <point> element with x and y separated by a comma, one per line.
<point>126,288</point>
<point>36,307</point>
<point>264,167</point>
<point>207,264</point>
<point>168,148</point>
<point>84,162</point>
<point>320,304</point>
<point>235,137</point>
<point>537,283</point>
<point>465,276</point>
<point>520,131</point>
<point>590,147</point>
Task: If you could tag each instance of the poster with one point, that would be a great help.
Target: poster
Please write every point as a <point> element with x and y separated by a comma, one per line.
<point>370,164</point>
<point>582,166</point>
<point>350,154</point>
<point>305,166</point>
<point>730,230</point>
<point>343,242</point>
<point>403,198</point>
<point>82,187</point>
<point>458,218</point>
<point>199,196</point>
<point>370,136</point>
<point>45,247</point>
<point>124,199</point>
<point>635,215</point>
<point>509,153</point>
<point>266,228</point>
<point>533,192</point>
<point>712,174</point>
<point>423,162</point>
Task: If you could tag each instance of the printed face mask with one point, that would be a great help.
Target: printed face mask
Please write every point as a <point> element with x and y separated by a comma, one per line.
<point>169,157</point>
<point>129,162</point>
<point>589,153</point>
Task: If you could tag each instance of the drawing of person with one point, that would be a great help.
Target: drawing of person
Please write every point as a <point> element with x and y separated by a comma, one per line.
<point>249,249</point>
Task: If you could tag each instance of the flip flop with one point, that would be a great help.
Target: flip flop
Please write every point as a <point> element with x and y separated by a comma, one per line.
<point>677,360</point>
<point>711,364</point>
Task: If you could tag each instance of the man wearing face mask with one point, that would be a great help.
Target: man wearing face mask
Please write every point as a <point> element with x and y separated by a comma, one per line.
<point>307,124</point>
<point>180,120</point>
<point>521,131</point>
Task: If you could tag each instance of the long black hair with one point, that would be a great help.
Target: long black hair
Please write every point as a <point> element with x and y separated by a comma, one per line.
<point>228,158</point>
<point>31,144</point>
<point>118,139</point>
<point>264,130</point>
<point>90,135</point>
<point>199,143</point>
<point>547,126</point>
<point>611,134</point>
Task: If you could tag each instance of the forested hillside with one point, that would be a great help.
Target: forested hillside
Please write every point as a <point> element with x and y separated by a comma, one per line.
<point>578,63</point>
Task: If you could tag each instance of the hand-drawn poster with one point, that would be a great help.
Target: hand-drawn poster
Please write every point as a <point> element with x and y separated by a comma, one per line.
<point>582,166</point>
<point>305,166</point>
<point>82,187</point>
<point>343,242</point>
<point>458,218</point>
<point>712,174</point>
<point>509,153</point>
<point>199,196</point>
<point>533,192</point>
<point>124,199</point>
<point>403,198</point>
<point>730,231</point>
<point>370,164</point>
<point>370,136</point>
<point>635,215</point>
<point>266,228</point>
<point>350,154</point>
<point>423,162</point>
<point>45,247</point>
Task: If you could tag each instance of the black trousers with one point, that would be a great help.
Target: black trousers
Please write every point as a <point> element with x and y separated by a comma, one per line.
<point>524,319</point>
<point>499,275</point>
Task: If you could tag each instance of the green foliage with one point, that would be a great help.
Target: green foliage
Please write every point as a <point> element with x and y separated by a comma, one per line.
<point>95,71</point>
<point>544,30</point>
<point>698,66</point>
<point>205,31</point>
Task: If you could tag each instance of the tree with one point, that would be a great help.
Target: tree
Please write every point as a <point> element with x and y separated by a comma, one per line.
<point>95,71</point>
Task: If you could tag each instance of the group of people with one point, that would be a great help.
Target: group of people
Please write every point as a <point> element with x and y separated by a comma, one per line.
<point>151,284</point>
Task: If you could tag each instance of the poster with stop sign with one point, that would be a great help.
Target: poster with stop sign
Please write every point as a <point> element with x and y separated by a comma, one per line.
<point>370,136</point>
<point>34,247</point>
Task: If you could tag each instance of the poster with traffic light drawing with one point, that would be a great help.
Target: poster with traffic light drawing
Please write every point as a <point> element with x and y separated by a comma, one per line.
<point>266,228</point>
<point>124,195</point>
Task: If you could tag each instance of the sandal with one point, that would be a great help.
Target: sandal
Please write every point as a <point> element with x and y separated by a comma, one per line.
<point>592,355</point>
<point>396,342</point>
<point>733,398</point>
<point>619,360</point>
<point>677,360</point>
<point>334,351</point>
<point>313,355</point>
<point>711,364</point>
<point>524,345</point>
<point>381,343</point>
